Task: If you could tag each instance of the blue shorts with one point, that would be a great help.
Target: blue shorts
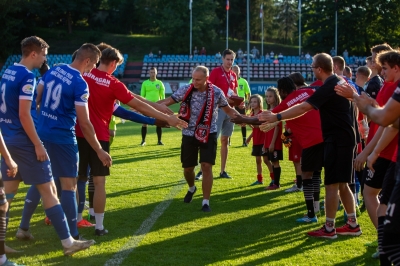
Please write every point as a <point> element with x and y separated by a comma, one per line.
<point>64,159</point>
<point>30,170</point>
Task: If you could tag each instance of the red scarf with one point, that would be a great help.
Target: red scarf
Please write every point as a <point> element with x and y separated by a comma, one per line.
<point>203,124</point>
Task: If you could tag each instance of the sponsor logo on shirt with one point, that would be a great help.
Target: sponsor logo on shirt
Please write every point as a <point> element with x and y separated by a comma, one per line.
<point>28,89</point>
<point>157,86</point>
<point>85,97</point>
<point>99,81</point>
<point>301,97</point>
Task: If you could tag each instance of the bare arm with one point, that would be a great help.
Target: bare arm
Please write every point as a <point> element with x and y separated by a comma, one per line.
<point>381,116</point>
<point>167,101</point>
<point>12,166</point>
<point>274,137</point>
<point>231,112</point>
<point>293,112</point>
<point>82,114</point>
<point>39,90</point>
<point>387,136</point>
<point>148,110</point>
<point>160,107</point>
<point>27,123</point>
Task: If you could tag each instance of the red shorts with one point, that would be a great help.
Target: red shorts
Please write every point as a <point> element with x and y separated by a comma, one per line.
<point>295,151</point>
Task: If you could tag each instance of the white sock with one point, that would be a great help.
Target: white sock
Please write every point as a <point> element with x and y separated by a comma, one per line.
<point>3,259</point>
<point>67,242</point>
<point>316,206</point>
<point>206,201</point>
<point>80,217</point>
<point>99,220</point>
<point>91,211</point>
<point>191,189</point>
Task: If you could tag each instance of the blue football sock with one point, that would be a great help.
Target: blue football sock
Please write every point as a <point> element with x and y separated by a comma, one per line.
<point>68,204</point>
<point>81,185</point>
<point>31,202</point>
<point>59,221</point>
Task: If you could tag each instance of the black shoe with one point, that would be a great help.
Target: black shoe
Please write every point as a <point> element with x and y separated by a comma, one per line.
<point>206,208</point>
<point>143,143</point>
<point>225,175</point>
<point>244,144</point>
<point>199,176</point>
<point>92,218</point>
<point>189,196</point>
<point>160,143</point>
<point>99,232</point>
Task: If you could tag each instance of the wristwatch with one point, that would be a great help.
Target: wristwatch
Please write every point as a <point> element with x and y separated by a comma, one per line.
<point>279,117</point>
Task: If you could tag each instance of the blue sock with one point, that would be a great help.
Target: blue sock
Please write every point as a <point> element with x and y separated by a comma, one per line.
<point>31,202</point>
<point>68,204</point>
<point>81,184</point>
<point>59,221</point>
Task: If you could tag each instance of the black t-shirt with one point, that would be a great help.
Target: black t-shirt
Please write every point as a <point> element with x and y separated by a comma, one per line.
<point>396,97</point>
<point>337,114</point>
<point>373,86</point>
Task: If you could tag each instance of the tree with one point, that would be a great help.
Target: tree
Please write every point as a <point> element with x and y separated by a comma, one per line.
<point>286,18</point>
<point>174,22</point>
<point>10,26</point>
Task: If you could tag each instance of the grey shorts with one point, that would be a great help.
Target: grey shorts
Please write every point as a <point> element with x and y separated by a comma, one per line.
<point>224,125</point>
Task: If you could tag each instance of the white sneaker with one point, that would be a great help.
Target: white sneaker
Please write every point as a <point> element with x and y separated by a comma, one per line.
<point>78,245</point>
<point>294,189</point>
<point>24,235</point>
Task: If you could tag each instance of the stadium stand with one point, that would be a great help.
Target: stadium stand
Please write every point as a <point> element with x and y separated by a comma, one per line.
<point>173,67</point>
<point>54,59</point>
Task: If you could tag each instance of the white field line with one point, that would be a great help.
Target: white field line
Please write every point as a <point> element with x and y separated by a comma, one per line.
<point>141,233</point>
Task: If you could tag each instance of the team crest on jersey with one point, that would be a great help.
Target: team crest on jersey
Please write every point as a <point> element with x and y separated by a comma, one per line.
<point>241,87</point>
<point>27,89</point>
<point>85,97</point>
<point>157,86</point>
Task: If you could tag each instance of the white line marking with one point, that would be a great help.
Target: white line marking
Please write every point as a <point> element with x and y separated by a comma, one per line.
<point>138,236</point>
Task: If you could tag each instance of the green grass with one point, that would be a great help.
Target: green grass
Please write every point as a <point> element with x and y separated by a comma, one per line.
<point>247,225</point>
<point>136,46</point>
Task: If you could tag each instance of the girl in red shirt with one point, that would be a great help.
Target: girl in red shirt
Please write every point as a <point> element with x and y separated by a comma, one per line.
<point>273,146</point>
<point>256,105</point>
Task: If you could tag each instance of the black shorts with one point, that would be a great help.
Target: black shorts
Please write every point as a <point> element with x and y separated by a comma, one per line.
<point>276,155</point>
<point>375,179</point>
<point>392,219</point>
<point>240,111</point>
<point>312,158</point>
<point>257,150</point>
<point>88,157</point>
<point>191,147</point>
<point>389,181</point>
<point>338,163</point>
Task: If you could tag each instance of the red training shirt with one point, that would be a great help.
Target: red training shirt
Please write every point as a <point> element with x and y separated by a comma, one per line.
<point>104,89</point>
<point>269,136</point>
<point>224,81</point>
<point>307,127</point>
<point>384,94</point>
<point>258,135</point>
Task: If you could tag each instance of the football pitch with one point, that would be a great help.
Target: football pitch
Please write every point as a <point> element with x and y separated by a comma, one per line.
<point>149,224</point>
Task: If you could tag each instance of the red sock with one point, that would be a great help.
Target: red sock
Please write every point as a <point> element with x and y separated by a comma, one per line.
<point>271,175</point>
<point>260,178</point>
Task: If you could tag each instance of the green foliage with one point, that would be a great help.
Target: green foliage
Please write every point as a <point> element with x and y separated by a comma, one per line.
<point>10,25</point>
<point>361,24</point>
<point>287,16</point>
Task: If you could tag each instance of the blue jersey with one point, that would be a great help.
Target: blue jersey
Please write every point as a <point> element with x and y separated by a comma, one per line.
<point>33,108</point>
<point>63,88</point>
<point>17,83</point>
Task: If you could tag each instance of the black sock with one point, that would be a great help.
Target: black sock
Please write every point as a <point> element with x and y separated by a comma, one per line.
<point>277,175</point>
<point>316,180</point>
<point>384,260</point>
<point>244,134</point>
<point>144,133</point>
<point>91,192</point>
<point>308,191</point>
<point>159,133</point>
<point>299,181</point>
